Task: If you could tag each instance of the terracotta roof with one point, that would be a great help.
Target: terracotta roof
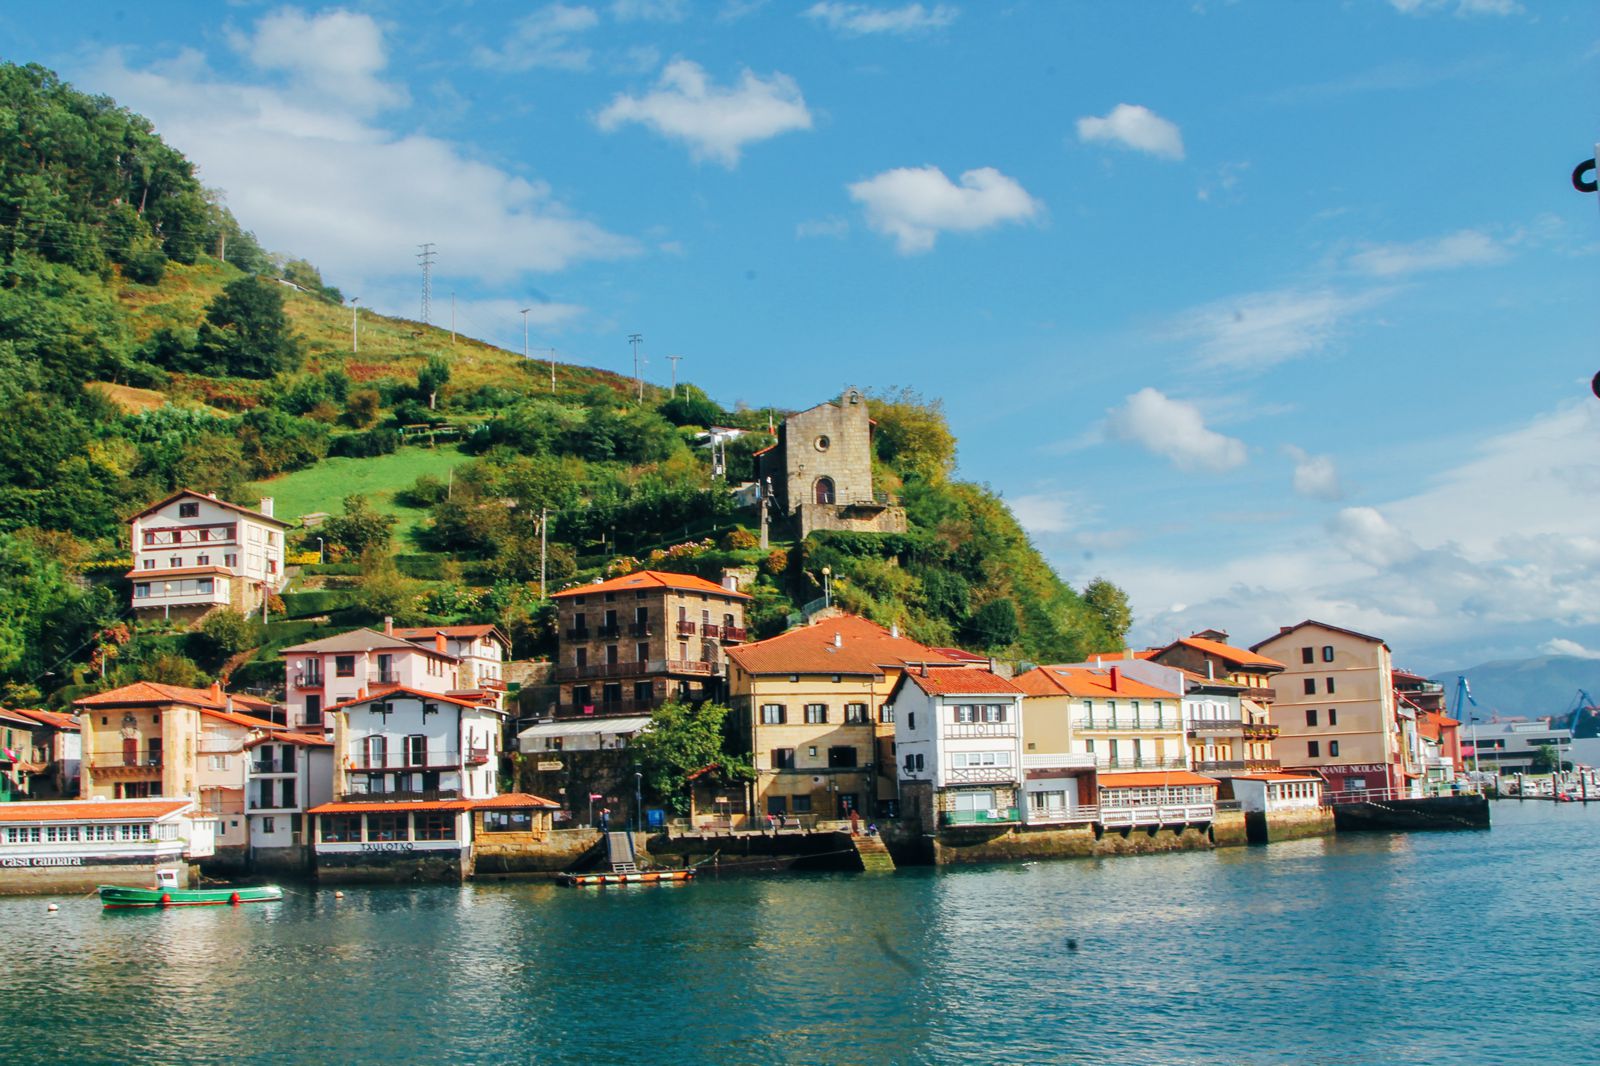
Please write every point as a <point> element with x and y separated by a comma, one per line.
<point>402,690</point>
<point>651,579</point>
<point>414,633</point>
<point>241,699</point>
<point>1286,630</point>
<point>1088,682</point>
<point>515,800</point>
<point>178,571</point>
<point>1226,652</point>
<point>863,648</point>
<point>209,499</point>
<point>1154,779</point>
<point>18,717</point>
<point>961,655</point>
<point>50,718</point>
<point>1125,653</point>
<point>396,806</point>
<point>147,692</point>
<point>249,721</point>
<point>364,640</point>
<point>1202,681</point>
<point>92,810</point>
<point>289,736</point>
<point>961,681</point>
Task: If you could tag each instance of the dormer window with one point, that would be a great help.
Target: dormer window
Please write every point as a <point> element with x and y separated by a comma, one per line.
<point>188,510</point>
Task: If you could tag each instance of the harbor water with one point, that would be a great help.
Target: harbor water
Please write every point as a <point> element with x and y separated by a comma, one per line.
<point>1470,947</point>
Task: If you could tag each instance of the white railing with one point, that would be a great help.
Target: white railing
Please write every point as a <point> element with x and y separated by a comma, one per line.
<point>1088,812</point>
<point>1186,814</point>
<point>980,775</point>
<point>1075,760</point>
<point>967,730</point>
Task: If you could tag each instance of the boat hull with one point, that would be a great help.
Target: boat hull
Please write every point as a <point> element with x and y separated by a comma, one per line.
<point>652,877</point>
<point>118,896</point>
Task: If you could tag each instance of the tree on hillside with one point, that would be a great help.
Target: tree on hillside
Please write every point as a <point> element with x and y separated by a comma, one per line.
<point>222,634</point>
<point>691,407</point>
<point>273,442</point>
<point>384,592</point>
<point>359,529</point>
<point>1110,605</point>
<point>44,612</point>
<point>433,376</point>
<point>994,625</point>
<point>246,333</point>
<point>680,740</point>
<point>912,435</point>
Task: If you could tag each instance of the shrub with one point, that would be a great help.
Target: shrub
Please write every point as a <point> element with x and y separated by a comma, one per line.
<point>426,491</point>
<point>776,562</point>
<point>740,540</point>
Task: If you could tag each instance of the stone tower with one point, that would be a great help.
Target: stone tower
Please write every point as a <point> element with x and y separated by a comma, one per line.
<point>820,470</point>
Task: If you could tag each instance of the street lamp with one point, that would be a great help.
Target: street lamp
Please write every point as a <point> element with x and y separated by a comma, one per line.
<point>827,586</point>
<point>638,802</point>
<point>354,339</point>
<point>322,556</point>
<point>525,311</point>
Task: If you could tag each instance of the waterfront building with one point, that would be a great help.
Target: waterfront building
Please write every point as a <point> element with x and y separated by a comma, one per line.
<point>1335,707</point>
<point>958,742</point>
<point>1174,798</point>
<point>287,773</point>
<point>812,708</point>
<point>194,553</point>
<point>346,666</point>
<point>632,643</point>
<point>1510,747</point>
<point>73,845</point>
<point>1228,704</point>
<point>1126,723</point>
<point>1058,771</point>
<point>1275,792</point>
<point>55,756</point>
<point>1438,734</point>
<point>819,471</point>
<point>408,765</point>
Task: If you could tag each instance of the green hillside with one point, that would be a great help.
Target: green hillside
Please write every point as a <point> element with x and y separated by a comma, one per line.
<point>147,363</point>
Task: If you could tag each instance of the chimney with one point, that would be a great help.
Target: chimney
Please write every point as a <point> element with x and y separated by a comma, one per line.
<point>730,582</point>
<point>266,506</point>
<point>924,669</point>
<point>838,640</point>
<point>361,693</point>
<point>1211,670</point>
<point>1284,629</point>
<point>894,629</point>
<point>215,691</point>
<point>438,643</point>
<point>1116,676</point>
<point>388,625</point>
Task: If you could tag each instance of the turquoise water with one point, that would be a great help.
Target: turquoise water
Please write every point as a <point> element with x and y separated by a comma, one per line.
<point>1422,948</point>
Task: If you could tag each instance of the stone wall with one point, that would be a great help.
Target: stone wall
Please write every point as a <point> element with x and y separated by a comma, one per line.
<point>714,855</point>
<point>293,861</point>
<point>812,516</point>
<point>952,847</point>
<point>389,867</point>
<point>82,880</point>
<point>1289,825</point>
<point>540,853</point>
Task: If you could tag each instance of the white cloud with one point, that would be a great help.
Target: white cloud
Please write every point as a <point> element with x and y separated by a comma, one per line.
<point>1042,512</point>
<point>858,20</point>
<point>716,123</point>
<point>915,204</point>
<point>1315,476</point>
<point>1136,127</point>
<point>1264,328</point>
<point>1175,431</point>
<point>337,57</point>
<point>1460,7</point>
<point>1464,248</point>
<point>1371,538</point>
<point>1563,646</point>
<point>649,10</point>
<point>545,38</point>
<point>314,176</point>
<point>822,227</point>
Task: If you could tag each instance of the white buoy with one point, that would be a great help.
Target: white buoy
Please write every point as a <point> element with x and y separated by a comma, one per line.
<point>338,895</point>
<point>52,907</point>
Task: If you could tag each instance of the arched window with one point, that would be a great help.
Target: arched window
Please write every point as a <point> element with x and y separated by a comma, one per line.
<point>824,490</point>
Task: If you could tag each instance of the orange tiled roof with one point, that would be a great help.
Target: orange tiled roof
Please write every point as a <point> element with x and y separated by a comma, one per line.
<point>249,721</point>
<point>1126,653</point>
<point>402,690</point>
<point>1154,779</point>
<point>51,718</point>
<point>862,647</point>
<point>144,692</point>
<point>515,800</point>
<point>1086,681</point>
<point>424,632</point>
<point>367,807</point>
<point>1228,653</point>
<point>289,736</point>
<point>91,810</point>
<point>652,579</point>
<point>961,681</point>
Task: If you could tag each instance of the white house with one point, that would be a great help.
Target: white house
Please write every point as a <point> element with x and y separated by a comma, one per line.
<point>193,553</point>
<point>409,764</point>
<point>288,774</point>
<point>347,666</point>
<point>1271,792</point>
<point>958,746</point>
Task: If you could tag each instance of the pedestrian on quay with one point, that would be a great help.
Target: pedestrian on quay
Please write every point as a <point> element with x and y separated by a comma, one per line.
<point>605,819</point>
<point>771,822</point>
<point>855,822</point>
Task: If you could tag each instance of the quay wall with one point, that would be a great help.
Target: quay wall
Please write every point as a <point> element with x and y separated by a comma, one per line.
<point>1278,826</point>
<point>82,880</point>
<point>716,854</point>
<point>535,855</point>
<point>346,868</point>
<point>1434,812</point>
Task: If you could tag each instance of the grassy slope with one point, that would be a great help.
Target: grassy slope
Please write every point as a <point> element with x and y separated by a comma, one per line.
<point>323,486</point>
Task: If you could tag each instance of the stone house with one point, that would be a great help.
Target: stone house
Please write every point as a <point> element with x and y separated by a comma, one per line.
<point>820,471</point>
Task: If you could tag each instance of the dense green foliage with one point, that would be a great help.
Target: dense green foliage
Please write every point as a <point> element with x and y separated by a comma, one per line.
<point>684,739</point>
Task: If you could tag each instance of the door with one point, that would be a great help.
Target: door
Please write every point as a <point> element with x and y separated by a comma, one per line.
<point>847,804</point>
<point>130,751</point>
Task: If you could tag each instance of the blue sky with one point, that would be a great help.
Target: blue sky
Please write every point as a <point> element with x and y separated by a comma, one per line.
<point>1262,310</point>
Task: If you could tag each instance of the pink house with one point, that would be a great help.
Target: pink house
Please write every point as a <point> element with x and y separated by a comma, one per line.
<point>353,665</point>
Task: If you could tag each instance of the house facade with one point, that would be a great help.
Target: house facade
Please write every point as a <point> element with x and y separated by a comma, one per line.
<point>1230,693</point>
<point>58,746</point>
<point>322,673</point>
<point>194,553</point>
<point>481,650</point>
<point>812,705</point>
<point>632,643</point>
<point>958,739</point>
<point>287,773</point>
<point>820,471</point>
<point>1335,706</point>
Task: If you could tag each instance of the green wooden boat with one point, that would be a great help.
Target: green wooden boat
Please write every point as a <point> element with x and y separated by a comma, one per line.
<point>166,893</point>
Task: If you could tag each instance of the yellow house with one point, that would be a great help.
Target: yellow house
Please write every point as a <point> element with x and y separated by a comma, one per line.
<point>1123,723</point>
<point>812,704</point>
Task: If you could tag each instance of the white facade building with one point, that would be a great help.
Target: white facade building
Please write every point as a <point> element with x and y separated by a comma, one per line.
<point>288,774</point>
<point>482,650</point>
<point>193,553</point>
<point>45,846</point>
<point>348,666</point>
<point>958,746</point>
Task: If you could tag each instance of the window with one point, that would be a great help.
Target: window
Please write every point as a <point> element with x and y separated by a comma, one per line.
<point>341,828</point>
<point>344,666</point>
<point>388,827</point>
<point>149,564</point>
<point>416,750</point>
<point>911,720</point>
<point>824,490</point>
<point>1333,716</point>
<point>141,590</point>
<point>783,758</point>
<point>1327,653</point>
<point>1330,686</point>
<point>204,584</point>
<point>816,714</point>
<point>188,510</point>
<point>777,804</point>
<point>812,751</point>
<point>774,714</point>
<point>175,562</point>
<point>268,825</point>
<point>1333,749</point>
<point>1311,717</point>
<point>642,692</point>
<point>641,651</point>
<point>230,559</point>
<point>493,822</point>
<point>855,713</point>
<point>216,762</point>
<point>580,657</point>
<point>1311,686</point>
<point>1313,749</point>
<point>964,759</point>
<point>802,805</point>
<point>1308,655</point>
<point>202,560</point>
<point>842,755</point>
<point>886,713</point>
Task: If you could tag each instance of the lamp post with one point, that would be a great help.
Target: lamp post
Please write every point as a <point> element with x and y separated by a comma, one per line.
<point>827,586</point>
<point>322,556</point>
<point>638,802</point>
<point>354,322</point>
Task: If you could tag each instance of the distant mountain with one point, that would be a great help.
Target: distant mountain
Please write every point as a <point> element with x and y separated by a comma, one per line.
<point>1531,688</point>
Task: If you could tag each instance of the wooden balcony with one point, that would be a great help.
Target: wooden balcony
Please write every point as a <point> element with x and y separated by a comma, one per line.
<point>400,762</point>
<point>687,629</point>
<point>733,634</point>
<point>1208,727</point>
<point>1238,766</point>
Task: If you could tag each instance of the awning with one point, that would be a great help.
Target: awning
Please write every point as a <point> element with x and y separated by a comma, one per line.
<point>585,727</point>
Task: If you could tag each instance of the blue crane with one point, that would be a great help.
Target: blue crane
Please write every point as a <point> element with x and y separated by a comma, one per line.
<point>1584,702</point>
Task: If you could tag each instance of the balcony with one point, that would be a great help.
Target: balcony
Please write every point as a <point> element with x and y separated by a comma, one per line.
<point>477,756</point>
<point>709,630</point>
<point>1066,760</point>
<point>1260,731</point>
<point>578,633</point>
<point>608,632</point>
<point>1127,724</point>
<point>415,762</point>
<point>261,767</point>
<point>401,796</point>
<point>1213,726</point>
<point>641,629</point>
<point>733,634</point>
<point>1258,693</point>
<point>308,681</point>
<point>1162,814</point>
<point>1238,766</point>
<point>1085,812</point>
<point>1141,762</point>
<point>615,707</point>
<point>969,730</point>
<point>687,628</point>
<point>143,760</point>
<point>997,816</point>
<point>388,677</point>
<point>980,775</point>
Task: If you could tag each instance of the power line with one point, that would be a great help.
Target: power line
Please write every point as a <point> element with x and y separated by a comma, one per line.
<point>674,360</point>
<point>636,339</point>
<point>426,258</point>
